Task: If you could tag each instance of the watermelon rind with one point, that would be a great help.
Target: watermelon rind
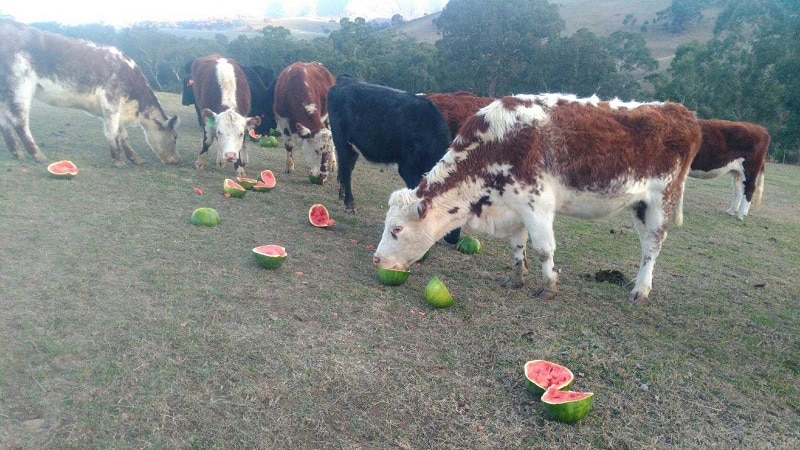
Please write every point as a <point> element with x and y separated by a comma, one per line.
<point>468,245</point>
<point>314,180</point>
<point>541,375</point>
<point>207,217</point>
<point>267,178</point>
<point>437,295</point>
<point>269,256</point>
<point>246,182</point>
<point>233,188</point>
<point>64,169</point>
<point>253,135</point>
<point>391,277</point>
<point>567,410</point>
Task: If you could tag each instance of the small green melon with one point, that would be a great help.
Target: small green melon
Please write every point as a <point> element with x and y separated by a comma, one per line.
<point>207,217</point>
<point>391,277</point>
<point>437,295</point>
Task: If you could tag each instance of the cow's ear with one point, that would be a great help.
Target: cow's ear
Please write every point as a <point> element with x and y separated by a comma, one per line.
<point>208,115</point>
<point>173,122</point>
<point>422,208</point>
<point>253,122</point>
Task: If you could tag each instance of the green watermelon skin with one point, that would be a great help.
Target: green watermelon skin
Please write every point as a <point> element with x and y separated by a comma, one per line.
<point>564,409</point>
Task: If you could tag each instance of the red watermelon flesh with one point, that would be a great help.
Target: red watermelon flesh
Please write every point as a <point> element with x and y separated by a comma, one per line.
<point>541,374</point>
<point>318,216</point>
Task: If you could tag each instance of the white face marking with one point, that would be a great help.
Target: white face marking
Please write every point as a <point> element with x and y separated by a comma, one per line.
<point>229,127</point>
<point>226,77</point>
<point>310,108</point>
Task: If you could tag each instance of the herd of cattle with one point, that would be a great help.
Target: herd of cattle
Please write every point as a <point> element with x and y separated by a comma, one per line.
<point>503,166</point>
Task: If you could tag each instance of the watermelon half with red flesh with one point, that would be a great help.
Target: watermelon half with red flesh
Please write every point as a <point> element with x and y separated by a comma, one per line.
<point>567,406</point>
<point>541,375</point>
<point>318,216</point>
<point>63,169</point>
<point>266,181</point>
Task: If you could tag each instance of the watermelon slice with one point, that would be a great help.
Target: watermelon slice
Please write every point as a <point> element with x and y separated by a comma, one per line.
<point>318,216</point>
<point>540,375</point>
<point>269,256</point>
<point>63,169</point>
<point>567,406</point>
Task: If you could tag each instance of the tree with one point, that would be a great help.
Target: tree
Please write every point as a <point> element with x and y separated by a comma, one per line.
<point>680,14</point>
<point>486,44</point>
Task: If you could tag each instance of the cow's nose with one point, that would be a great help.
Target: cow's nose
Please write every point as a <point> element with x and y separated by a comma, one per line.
<point>376,260</point>
<point>230,156</point>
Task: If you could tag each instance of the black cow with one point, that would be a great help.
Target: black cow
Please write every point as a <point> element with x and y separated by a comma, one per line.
<point>385,126</point>
<point>262,94</point>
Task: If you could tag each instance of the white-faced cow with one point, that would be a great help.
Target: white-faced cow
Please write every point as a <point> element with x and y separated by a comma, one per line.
<point>523,159</point>
<point>457,107</point>
<point>385,126</point>
<point>301,112</point>
<point>738,148</point>
<point>261,82</point>
<point>78,74</point>
<point>222,99</point>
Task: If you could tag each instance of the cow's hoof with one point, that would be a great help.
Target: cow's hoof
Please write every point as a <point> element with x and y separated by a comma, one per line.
<point>513,282</point>
<point>638,299</point>
<point>199,165</point>
<point>136,160</point>
<point>118,163</point>
<point>39,158</point>
<point>546,294</point>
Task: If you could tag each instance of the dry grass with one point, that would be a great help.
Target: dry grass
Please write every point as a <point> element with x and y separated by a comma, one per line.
<point>124,326</point>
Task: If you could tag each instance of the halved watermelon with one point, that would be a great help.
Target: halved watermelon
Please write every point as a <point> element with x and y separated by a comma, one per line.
<point>233,188</point>
<point>253,135</point>
<point>318,216</point>
<point>567,406</point>
<point>268,178</point>
<point>540,375</point>
<point>63,169</point>
<point>269,256</point>
<point>245,182</point>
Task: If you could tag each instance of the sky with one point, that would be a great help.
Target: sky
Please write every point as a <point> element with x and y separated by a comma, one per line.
<point>129,12</point>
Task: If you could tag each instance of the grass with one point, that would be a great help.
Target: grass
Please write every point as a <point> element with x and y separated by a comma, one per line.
<point>124,326</point>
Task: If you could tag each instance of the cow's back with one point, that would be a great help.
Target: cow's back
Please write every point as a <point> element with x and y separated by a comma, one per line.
<point>301,95</point>
<point>388,125</point>
<point>457,107</point>
<point>220,93</point>
<point>724,141</point>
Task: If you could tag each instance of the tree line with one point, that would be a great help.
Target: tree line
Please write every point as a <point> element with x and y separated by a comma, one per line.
<point>747,71</point>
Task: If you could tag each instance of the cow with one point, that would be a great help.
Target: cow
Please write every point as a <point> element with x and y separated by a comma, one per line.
<point>738,148</point>
<point>78,74</point>
<point>301,112</point>
<point>261,81</point>
<point>457,107</point>
<point>525,158</point>
<point>385,126</point>
<point>222,101</point>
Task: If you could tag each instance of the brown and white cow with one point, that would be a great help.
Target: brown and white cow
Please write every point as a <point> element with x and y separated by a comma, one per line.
<point>738,148</point>
<point>222,101</point>
<point>457,107</point>
<point>301,112</point>
<point>78,74</point>
<point>523,159</point>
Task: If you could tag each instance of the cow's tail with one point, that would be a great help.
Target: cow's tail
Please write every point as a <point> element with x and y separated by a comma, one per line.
<point>677,214</point>
<point>759,188</point>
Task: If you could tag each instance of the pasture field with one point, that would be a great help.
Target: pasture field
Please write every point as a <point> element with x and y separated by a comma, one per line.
<point>124,326</point>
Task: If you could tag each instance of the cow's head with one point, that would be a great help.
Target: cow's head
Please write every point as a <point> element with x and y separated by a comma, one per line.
<point>318,150</point>
<point>229,128</point>
<point>411,228</point>
<point>162,136</point>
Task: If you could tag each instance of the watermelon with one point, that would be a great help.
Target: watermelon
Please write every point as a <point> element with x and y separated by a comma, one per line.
<point>437,295</point>
<point>253,135</point>
<point>468,245</point>
<point>63,169</point>
<point>314,180</point>
<point>269,256</point>
<point>233,188</point>
<point>540,375</point>
<point>267,178</point>
<point>245,182</point>
<point>391,277</point>
<point>207,217</point>
<point>268,141</point>
<point>567,406</point>
<point>318,216</point>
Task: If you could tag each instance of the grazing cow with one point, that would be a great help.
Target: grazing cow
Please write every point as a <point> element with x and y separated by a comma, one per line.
<point>457,107</point>
<point>261,81</point>
<point>222,101</point>
<point>78,74</point>
<point>301,111</point>
<point>523,159</point>
<point>738,148</point>
<point>385,126</point>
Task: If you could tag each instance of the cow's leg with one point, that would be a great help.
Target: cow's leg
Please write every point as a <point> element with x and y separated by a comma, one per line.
<point>208,139</point>
<point>650,222</point>
<point>111,129</point>
<point>543,243</point>
<point>25,136</point>
<point>347,162</point>
<point>11,143</point>
<point>288,144</point>
<point>738,192</point>
<point>130,153</point>
<point>519,243</point>
<point>243,159</point>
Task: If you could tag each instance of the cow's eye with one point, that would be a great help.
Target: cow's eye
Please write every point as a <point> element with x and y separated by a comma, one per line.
<point>396,230</point>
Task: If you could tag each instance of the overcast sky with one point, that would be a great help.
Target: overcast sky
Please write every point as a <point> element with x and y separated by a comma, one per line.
<point>127,12</point>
